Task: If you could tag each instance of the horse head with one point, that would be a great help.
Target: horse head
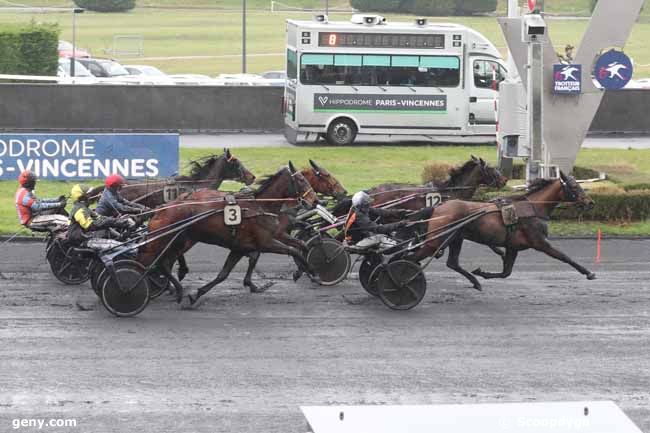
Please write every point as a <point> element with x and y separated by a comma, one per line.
<point>323,182</point>
<point>235,169</point>
<point>573,192</point>
<point>491,176</point>
<point>301,187</point>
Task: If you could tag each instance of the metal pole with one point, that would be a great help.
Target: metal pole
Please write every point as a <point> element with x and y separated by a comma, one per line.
<point>327,7</point>
<point>243,37</point>
<point>535,111</point>
<point>74,43</point>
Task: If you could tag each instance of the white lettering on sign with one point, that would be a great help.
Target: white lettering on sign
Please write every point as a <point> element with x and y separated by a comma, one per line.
<point>34,148</point>
<point>88,168</point>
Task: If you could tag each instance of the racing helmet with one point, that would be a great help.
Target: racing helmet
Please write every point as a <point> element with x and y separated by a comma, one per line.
<point>79,192</point>
<point>361,199</point>
<point>27,179</point>
<point>114,180</point>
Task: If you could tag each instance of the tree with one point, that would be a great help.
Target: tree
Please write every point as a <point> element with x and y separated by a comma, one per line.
<point>106,5</point>
<point>434,7</point>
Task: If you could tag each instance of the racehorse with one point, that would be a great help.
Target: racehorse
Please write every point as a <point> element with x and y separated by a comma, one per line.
<point>260,231</point>
<point>207,172</point>
<point>462,183</point>
<point>323,182</point>
<point>528,229</point>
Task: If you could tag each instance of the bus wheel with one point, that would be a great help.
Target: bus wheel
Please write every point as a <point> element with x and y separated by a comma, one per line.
<point>341,132</point>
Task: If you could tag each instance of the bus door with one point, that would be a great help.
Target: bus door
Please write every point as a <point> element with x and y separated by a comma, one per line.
<point>487,74</point>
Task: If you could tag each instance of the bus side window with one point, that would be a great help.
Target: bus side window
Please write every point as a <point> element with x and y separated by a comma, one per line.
<point>488,74</point>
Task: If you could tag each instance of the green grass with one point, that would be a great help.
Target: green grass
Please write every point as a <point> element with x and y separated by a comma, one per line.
<point>362,167</point>
<point>590,228</point>
<point>204,32</point>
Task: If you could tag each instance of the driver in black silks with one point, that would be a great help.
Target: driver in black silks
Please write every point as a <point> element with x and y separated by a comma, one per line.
<point>361,228</point>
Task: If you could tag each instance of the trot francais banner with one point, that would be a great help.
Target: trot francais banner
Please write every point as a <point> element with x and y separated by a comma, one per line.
<point>89,156</point>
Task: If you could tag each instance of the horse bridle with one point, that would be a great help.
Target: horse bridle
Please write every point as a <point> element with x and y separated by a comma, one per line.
<point>569,191</point>
<point>492,176</point>
<point>293,190</point>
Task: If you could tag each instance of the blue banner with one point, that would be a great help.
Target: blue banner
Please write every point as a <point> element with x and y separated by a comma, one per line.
<point>89,156</point>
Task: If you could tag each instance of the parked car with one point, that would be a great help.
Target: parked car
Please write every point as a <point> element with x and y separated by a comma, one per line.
<point>149,74</point>
<point>66,50</point>
<point>192,79</point>
<point>81,74</point>
<point>240,80</point>
<point>104,68</point>
<point>275,78</point>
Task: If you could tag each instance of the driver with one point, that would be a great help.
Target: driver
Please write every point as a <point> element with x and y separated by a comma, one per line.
<point>361,228</point>
<point>112,204</point>
<point>33,212</point>
<point>84,220</point>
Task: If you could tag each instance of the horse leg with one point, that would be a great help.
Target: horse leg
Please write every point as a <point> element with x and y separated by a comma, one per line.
<point>248,279</point>
<point>545,247</point>
<point>498,251</point>
<point>277,247</point>
<point>508,264</point>
<point>228,266</point>
<point>453,262</point>
<point>182,268</point>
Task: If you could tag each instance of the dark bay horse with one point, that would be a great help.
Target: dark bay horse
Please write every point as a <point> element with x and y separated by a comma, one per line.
<point>323,182</point>
<point>530,231</point>
<point>207,172</point>
<point>260,231</point>
<point>462,183</point>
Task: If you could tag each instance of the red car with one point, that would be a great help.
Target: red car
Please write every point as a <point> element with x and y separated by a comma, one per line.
<point>65,50</point>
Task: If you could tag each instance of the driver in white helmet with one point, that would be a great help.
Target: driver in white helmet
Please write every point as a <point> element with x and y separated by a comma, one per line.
<point>361,227</point>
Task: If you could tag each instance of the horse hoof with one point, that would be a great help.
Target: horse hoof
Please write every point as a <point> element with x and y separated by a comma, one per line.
<point>591,276</point>
<point>260,289</point>
<point>297,275</point>
<point>189,303</point>
<point>478,287</point>
<point>315,279</point>
<point>478,272</point>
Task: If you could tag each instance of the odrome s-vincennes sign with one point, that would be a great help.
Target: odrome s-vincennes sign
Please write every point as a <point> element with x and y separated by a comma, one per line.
<point>88,156</point>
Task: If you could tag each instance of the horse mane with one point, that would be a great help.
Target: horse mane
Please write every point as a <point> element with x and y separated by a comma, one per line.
<point>200,166</point>
<point>458,171</point>
<point>266,181</point>
<point>536,185</point>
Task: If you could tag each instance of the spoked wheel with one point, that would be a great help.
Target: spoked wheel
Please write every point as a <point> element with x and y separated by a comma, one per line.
<point>68,269</point>
<point>401,285</point>
<point>329,259</point>
<point>368,273</point>
<point>120,293</point>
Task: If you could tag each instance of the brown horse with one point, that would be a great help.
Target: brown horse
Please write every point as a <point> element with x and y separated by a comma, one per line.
<point>462,183</point>
<point>260,231</point>
<point>207,172</point>
<point>323,182</point>
<point>487,226</point>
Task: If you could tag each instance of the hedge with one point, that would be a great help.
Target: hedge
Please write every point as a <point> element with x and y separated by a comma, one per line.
<point>427,7</point>
<point>106,5</point>
<point>29,50</point>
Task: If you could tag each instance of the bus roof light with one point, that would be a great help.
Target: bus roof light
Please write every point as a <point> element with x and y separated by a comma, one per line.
<point>420,21</point>
<point>321,18</point>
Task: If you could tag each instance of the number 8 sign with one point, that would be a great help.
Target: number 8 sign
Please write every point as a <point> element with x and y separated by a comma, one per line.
<point>232,215</point>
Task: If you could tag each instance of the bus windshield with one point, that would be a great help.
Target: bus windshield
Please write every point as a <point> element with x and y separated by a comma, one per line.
<point>380,70</point>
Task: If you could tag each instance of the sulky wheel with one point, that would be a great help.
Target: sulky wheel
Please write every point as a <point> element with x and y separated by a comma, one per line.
<point>131,295</point>
<point>368,273</point>
<point>96,273</point>
<point>158,284</point>
<point>68,268</point>
<point>401,285</point>
<point>330,260</point>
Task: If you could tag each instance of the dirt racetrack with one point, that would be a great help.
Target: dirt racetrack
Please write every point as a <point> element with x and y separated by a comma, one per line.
<point>245,362</point>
